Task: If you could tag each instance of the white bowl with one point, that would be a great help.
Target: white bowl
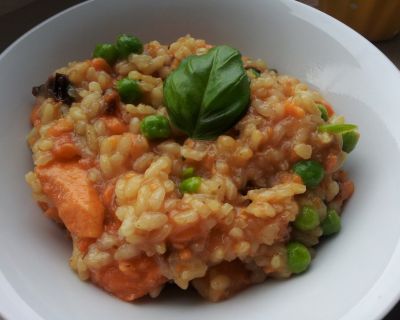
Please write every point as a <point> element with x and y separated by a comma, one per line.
<point>355,275</point>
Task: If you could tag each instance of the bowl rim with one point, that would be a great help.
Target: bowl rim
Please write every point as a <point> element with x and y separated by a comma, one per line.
<point>377,301</point>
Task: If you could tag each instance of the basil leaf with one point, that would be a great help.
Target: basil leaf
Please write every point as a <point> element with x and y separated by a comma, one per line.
<point>337,128</point>
<point>206,95</point>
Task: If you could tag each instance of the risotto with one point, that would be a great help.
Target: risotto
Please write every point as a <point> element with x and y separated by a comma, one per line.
<point>188,164</point>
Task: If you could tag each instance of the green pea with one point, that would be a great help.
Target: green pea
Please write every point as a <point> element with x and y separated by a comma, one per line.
<point>350,140</point>
<point>128,44</point>
<point>106,51</point>
<point>307,219</point>
<point>155,127</point>
<point>187,172</point>
<point>190,185</point>
<point>324,112</point>
<point>310,171</point>
<point>128,90</point>
<point>298,257</point>
<point>332,223</point>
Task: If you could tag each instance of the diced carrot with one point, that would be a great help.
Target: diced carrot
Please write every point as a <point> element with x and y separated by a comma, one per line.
<point>287,177</point>
<point>64,148</point>
<point>328,107</point>
<point>139,146</point>
<point>61,126</point>
<point>331,162</point>
<point>294,110</point>
<point>101,65</point>
<point>130,279</point>
<point>78,204</point>
<point>114,125</point>
<point>35,115</point>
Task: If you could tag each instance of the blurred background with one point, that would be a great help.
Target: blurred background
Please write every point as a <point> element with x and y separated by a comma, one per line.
<point>377,20</point>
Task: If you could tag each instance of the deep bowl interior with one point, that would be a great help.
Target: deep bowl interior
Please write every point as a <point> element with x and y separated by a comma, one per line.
<point>352,274</point>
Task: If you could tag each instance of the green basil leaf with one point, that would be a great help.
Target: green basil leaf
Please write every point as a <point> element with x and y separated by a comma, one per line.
<point>337,128</point>
<point>206,95</point>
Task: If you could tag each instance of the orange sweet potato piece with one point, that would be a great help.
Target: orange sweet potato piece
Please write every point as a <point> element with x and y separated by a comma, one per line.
<point>64,148</point>
<point>101,65</point>
<point>114,125</point>
<point>130,279</point>
<point>77,202</point>
<point>294,110</point>
<point>61,126</point>
<point>139,146</point>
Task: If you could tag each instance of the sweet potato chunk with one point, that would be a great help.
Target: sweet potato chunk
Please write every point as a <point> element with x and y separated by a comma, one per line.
<point>114,125</point>
<point>131,279</point>
<point>77,202</point>
<point>64,148</point>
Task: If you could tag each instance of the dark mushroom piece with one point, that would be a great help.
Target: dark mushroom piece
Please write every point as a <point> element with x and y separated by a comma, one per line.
<point>57,87</point>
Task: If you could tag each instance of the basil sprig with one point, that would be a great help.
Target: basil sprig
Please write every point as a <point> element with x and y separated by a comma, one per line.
<point>206,95</point>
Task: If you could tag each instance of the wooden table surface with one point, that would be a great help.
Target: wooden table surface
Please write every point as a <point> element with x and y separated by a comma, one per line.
<point>17,17</point>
